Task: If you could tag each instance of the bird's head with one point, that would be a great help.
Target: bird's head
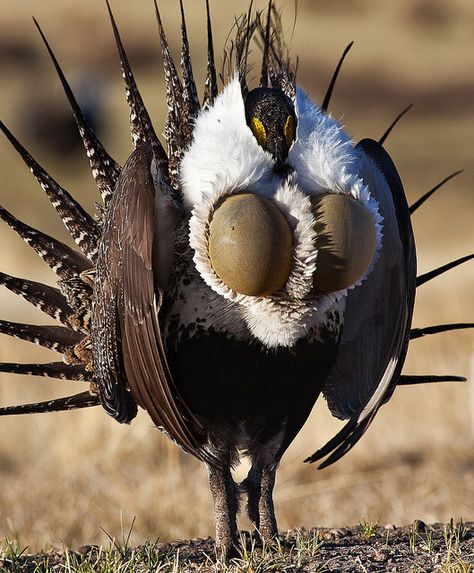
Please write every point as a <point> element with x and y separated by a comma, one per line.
<point>270,115</point>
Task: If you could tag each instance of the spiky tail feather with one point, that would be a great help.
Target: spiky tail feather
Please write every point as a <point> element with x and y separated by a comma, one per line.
<point>82,227</point>
<point>81,400</point>
<point>105,170</point>
<point>58,338</point>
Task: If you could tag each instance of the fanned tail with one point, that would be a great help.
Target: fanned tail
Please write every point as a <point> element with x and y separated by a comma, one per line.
<point>424,278</point>
<point>70,303</point>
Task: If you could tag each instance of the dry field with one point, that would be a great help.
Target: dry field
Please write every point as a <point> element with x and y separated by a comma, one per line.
<point>64,477</point>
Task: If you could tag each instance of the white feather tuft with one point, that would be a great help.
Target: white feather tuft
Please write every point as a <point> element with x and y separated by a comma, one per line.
<point>224,159</point>
<point>224,156</point>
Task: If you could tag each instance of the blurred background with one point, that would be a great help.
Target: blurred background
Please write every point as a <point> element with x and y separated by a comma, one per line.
<point>63,477</point>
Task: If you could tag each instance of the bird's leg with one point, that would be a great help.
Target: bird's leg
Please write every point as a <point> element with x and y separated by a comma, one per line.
<point>251,485</point>
<point>224,493</point>
<point>268,525</point>
<point>259,486</point>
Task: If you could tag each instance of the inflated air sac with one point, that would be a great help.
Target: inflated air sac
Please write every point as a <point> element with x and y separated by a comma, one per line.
<point>250,245</point>
<point>346,241</point>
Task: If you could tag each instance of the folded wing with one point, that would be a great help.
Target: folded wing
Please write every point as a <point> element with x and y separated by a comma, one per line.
<point>129,356</point>
<point>378,314</point>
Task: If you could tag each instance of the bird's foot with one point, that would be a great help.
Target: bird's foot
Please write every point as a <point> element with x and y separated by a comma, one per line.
<point>227,550</point>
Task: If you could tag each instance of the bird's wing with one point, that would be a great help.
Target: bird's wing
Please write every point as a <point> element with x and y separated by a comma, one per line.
<point>378,314</point>
<point>129,356</point>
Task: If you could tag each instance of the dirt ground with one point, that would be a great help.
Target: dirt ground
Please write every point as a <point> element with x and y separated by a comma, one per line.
<point>445,548</point>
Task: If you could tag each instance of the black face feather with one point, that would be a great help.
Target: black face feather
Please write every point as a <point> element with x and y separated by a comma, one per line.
<point>270,114</point>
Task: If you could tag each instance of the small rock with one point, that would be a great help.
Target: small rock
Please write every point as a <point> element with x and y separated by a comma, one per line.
<point>380,555</point>
<point>86,549</point>
<point>390,527</point>
<point>419,526</point>
<point>338,532</point>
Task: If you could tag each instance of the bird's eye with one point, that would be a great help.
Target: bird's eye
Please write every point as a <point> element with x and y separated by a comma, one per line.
<point>289,130</point>
<point>258,130</point>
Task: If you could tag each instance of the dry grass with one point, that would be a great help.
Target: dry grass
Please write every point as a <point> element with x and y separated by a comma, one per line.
<point>61,476</point>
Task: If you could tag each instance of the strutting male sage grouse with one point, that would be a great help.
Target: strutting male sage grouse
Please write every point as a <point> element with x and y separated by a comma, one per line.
<point>260,259</point>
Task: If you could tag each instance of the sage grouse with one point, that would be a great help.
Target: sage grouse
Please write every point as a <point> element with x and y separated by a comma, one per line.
<point>259,260</point>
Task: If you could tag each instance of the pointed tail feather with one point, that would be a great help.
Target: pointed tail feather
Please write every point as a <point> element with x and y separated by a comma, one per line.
<point>141,128</point>
<point>57,338</point>
<point>58,370</point>
<point>428,194</point>
<point>406,380</point>
<point>327,97</point>
<point>105,169</point>
<point>419,332</point>
<point>422,279</point>
<point>81,400</point>
<point>84,230</point>
<point>176,118</point>
<point>190,96</point>
<point>63,260</point>
<point>210,86</point>
<point>393,124</point>
<point>46,298</point>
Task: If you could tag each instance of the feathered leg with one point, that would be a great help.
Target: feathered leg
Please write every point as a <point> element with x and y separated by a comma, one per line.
<point>259,487</point>
<point>226,506</point>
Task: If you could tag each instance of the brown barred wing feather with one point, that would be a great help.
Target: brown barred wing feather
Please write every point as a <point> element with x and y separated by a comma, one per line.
<point>129,356</point>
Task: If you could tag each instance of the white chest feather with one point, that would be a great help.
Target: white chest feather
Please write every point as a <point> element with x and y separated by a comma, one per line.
<point>225,159</point>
